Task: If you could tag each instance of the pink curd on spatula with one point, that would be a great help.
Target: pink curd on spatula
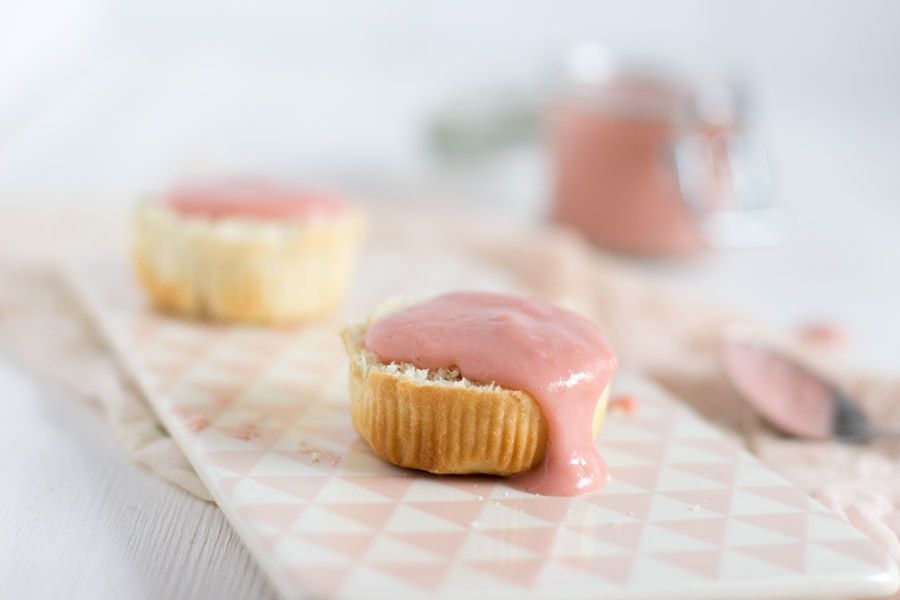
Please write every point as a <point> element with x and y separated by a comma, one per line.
<point>562,359</point>
<point>254,199</point>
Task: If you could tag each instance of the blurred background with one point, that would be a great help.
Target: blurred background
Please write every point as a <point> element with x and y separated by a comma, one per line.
<point>103,98</point>
<point>106,100</point>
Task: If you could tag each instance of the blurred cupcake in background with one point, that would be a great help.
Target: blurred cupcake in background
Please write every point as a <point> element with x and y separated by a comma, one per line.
<point>246,251</point>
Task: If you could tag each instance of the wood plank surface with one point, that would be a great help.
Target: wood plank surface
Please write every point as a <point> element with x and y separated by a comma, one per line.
<point>79,520</point>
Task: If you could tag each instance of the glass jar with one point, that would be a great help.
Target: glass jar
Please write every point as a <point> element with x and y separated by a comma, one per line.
<point>647,163</point>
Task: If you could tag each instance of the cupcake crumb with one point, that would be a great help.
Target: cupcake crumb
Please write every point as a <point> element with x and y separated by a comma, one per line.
<point>317,454</point>
<point>247,431</point>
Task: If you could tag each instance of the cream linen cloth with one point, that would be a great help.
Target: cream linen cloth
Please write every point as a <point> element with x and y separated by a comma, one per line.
<point>668,334</point>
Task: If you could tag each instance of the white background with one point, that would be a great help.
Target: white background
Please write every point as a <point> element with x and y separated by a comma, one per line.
<point>108,97</point>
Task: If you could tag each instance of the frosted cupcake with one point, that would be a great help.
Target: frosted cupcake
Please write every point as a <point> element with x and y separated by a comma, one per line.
<point>472,382</point>
<point>248,251</point>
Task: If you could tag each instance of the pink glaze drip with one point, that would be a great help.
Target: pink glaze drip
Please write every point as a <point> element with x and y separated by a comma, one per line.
<point>789,396</point>
<point>560,358</point>
<point>252,199</point>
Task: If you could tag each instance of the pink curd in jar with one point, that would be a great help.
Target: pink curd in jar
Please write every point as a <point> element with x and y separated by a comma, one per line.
<point>616,178</point>
<point>254,199</point>
<point>612,184</point>
<point>562,359</point>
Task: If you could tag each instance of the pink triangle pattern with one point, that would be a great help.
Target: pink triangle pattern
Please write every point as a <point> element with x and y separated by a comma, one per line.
<point>351,545</point>
<point>192,348</point>
<point>650,450</point>
<point>615,568</point>
<point>283,382</point>
<point>305,488</point>
<point>217,390</point>
<point>644,476</point>
<point>366,513</point>
<point>536,539</point>
<point>782,493</point>
<point>703,562</point>
<point>209,411</point>
<point>267,343</point>
<point>660,426</point>
<point>302,392</point>
<point>720,472</point>
<point>523,573</point>
<point>549,509</point>
<point>342,436</point>
<point>790,556</point>
<point>280,515</point>
<point>248,370</point>
<point>286,414</point>
<point>308,459</point>
<point>390,486</point>
<point>462,512</point>
<point>443,543</point>
<point>271,540</point>
<point>143,331</point>
<point>623,535</point>
<point>262,347</point>
<point>711,531</point>
<point>237,461</point>
<point>227,484</point>
<point>632,505</point>
<point>861,549</point>
<point>425,576</point>
<point>324,581</point>
<point>717,446</point>
<point>716,500</point>
<point>172,369</point>
<point>261,437</point>
<point>790,524</point>
<point>471,484</point>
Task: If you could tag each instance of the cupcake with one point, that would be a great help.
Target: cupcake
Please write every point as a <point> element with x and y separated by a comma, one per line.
<point>246,251</point>
<point>473,382</point>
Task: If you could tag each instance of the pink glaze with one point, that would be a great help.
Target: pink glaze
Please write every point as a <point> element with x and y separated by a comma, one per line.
<point>560,358</point>
<point>786,394</point>
<point>252,199</point>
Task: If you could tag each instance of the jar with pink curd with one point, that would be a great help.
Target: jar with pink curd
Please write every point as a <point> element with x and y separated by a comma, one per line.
<point>651,164</point>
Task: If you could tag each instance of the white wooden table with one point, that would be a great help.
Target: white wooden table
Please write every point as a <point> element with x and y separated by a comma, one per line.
<point>79,520</point>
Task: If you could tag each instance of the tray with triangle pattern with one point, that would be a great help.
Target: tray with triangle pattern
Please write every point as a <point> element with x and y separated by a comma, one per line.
<point>263,416</point>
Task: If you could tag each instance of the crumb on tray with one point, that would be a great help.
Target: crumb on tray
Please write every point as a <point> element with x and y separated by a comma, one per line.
<point>625,403</point>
